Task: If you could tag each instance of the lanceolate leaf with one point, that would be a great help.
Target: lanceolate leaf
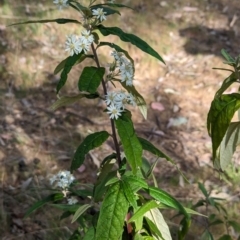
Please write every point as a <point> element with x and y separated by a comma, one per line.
<point>135,182</point>
<point>90,142</point>
<point>226,84</point>
<point>148,146</point>
<point>62,64</point>
<point>107,10</point>
<point>59,21</point>
<point>227,56</point>
<point>50,198</point>
<point>90,79</point>
<point>111,5</point>
<point>155,216</point>
<point>132,147</point>
<point>229,144</point>
<point>90,234</point>
<point>167,199</point>
<point>143,209</point>
<point>127,37</point>
<point>66,100</point>
<point>138,98</point>
<point>67,68</point>
<point>219,117</point>
<point>80,211</point>
<point>112,214</point>
<point>129,193</point>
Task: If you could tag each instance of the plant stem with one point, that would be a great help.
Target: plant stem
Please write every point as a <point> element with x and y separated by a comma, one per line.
<point>114,135</point>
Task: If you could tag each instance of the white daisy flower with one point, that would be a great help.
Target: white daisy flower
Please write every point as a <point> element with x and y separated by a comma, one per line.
<point>99,13</point>
<point>72,201</point>
<point>61,3</point>
<point>113,111</point>
<point>72,45</point>
<point>84,45</point>
<point>110,97</point>
<point>63,179</point>
<point>87,36</point>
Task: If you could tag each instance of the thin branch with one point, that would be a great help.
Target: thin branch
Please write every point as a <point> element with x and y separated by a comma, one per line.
<point>114,135</point>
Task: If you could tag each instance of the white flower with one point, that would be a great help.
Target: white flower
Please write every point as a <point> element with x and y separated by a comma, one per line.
<point>99,13</point>
<point>72,201</point>
<point>87,36</point>
<point>110,97</point>
<point>113,111</point>
<point>61,3</point>
<point>63,179</point>
<point>131,99</point>
<point>72,45</point>
<point>84,45</point>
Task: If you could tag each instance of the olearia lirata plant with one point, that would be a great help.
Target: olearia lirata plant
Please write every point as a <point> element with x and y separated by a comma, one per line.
<point>120,204</point>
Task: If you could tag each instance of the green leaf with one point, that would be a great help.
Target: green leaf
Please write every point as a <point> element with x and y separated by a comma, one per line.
<point>148,146</point>
<point>216,222</point>
<point>90,142</point>
<point>146,167</point>
<point>90,234</point>
<point>154,230</point>
<point>129,194</point>
<point>58,20</point>
<point>219,117</point>
<point>62,64</point>
<point>51,198</point>
<point>90,79</point>
<point>136,183</point>
<point>65,101</point>
<point>235,225</point>
<point>167,199</point>
<point>226,84</point>
<point>143,209</point>
<point>228,145</point>
<point>138,236</point>
<point>79,7</point>
<point>127,37</point>
<point>80,211</point>
<point>112,214</point>
<point>102,186</point>
<point>107,10</point>
<point>203,189</point>
<point>117,48</point>
<point>131,146</point>
<point>156,218</point>
<point>206,236</point>
<point>112,5</point>
<point>224,237</point>
<point>190,211</point>
<point>227,56</point>
<point>67,68</point>
<point>138,98</point>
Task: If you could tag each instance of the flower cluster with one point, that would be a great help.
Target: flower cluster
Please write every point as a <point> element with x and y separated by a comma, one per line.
<point>61,3</point>
<point>117,101</point>
<point>125,67</point>
<point>75,44</point>
<point>63,179</point>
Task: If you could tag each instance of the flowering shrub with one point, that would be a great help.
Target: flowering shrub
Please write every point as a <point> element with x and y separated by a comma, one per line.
<point>124,205</point>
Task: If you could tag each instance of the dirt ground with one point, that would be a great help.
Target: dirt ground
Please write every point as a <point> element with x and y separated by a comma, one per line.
<point>36,142</point>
